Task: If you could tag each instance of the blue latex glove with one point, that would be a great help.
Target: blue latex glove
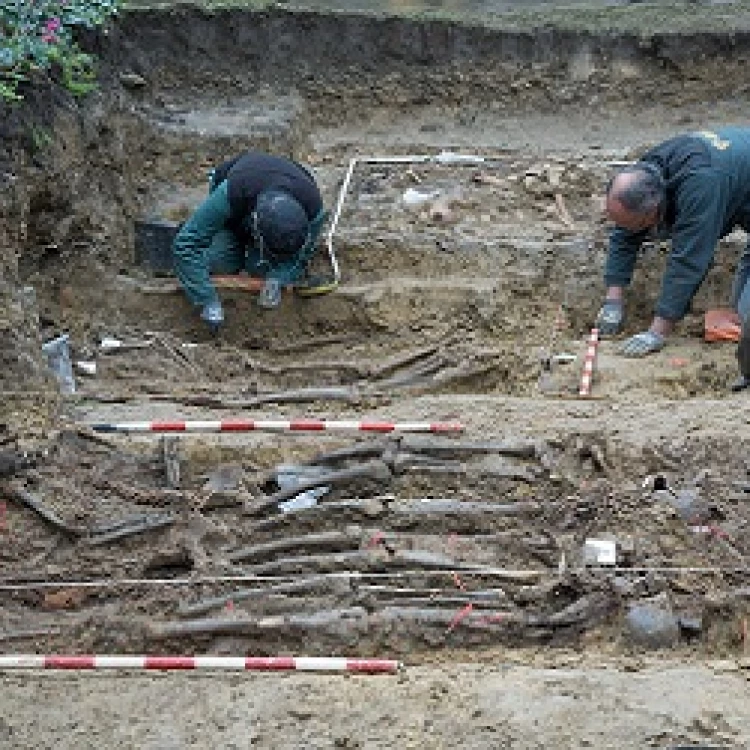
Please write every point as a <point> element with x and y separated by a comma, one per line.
<point>270,295</point>
<point>213,314</point>
<point>611,317</point>
<point>642,344</point>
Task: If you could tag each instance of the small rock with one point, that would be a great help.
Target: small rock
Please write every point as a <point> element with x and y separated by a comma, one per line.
<point>689,505</point>
<point>725,665</point>
<point>626,549</point>
<point>85,368</point>
<point>651,623</point>
<point>132,80</point>
<point>690,625</point>
<point>600,552</point>
<point>225,477</point>
<point>373,508</point>
<point>623,586</point>
<point>64,599</point>
<point>8,464</point>
<point>441,212</point>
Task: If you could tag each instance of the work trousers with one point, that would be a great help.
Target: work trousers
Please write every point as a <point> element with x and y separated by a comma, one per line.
<point>741,285</point>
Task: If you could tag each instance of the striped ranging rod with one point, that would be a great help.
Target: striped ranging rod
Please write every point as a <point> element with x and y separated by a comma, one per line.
<point>587,376</point>
<point>172,663</point>
<point>277,425</point>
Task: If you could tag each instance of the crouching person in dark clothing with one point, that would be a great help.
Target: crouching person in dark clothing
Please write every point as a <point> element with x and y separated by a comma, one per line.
<point>693,189</point>
<point>263,215</point>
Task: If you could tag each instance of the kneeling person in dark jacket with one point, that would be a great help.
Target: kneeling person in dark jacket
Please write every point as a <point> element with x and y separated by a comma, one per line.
<point>263,215</point>
<point>693,189</point>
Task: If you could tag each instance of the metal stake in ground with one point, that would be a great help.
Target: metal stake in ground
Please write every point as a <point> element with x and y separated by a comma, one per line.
<point>277,425</point>
<point>235,663</point>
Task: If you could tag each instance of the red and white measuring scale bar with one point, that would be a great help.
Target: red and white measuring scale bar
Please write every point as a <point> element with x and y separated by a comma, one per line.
<point>587,375</point>
<point>235,663</point>
<point>296,425</point>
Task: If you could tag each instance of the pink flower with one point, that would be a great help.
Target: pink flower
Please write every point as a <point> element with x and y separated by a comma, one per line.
<point>49,38</point>
<point>52,25</point>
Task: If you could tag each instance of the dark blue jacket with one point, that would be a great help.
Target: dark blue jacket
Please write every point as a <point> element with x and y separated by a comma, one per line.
<point>707,175</point>
<point>234,188</point>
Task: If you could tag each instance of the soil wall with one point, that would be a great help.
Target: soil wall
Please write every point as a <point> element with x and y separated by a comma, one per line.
<point>76,173</point>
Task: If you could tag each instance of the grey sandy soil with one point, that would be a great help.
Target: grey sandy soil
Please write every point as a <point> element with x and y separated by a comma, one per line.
<point>497,704</point>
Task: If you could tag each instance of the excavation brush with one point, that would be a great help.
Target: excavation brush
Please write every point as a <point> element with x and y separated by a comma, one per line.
<point>298,425</point>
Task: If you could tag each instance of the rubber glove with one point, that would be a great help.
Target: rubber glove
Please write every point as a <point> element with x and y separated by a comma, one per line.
<point>270,294</point>
<point>213,314</point>
<point>611,317</point>
<point>741,384</point>
<point>642,344</point>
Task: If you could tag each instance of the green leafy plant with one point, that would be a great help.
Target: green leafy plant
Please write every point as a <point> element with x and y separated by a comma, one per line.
<point>41,138</point>
<point>38,35</point>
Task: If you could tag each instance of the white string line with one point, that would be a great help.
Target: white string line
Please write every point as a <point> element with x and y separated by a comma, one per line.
<point>501,572</point>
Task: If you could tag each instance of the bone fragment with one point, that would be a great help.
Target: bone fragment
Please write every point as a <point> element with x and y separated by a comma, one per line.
<point>178,356</point>
<point>254,625</point>
<point>402,360</point>
<point>356,450</point>
<point>311,585</point>
<point>136,527</point>
<point>403,462</point>
<point>335,561</point>
<point>300,395</point>
<point>376,470</point>
<point>170,446</point>
<point>452,448</point>
<point>352,367</point>
<point>349,537</point>
<point>312,343</point>
<point>413,375</point>
<point>439,601</point>
<point>429,560</point>
<point>464,507</point>
<point>26,498</point>
<point>562,211</point>
<point>588,607</point>
<point>445,617</point>
<point>488,595</point>
<point>370,508</point>
<point>88,434</point>
<point>20,635</point>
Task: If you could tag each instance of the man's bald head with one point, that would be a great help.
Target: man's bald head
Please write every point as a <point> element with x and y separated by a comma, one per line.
<point>634,197</point>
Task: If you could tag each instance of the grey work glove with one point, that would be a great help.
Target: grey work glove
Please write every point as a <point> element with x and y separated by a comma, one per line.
<point>642,344</point>
<point>741,384</point>
<point>611,317</point>
<point>213,314</point>
<point>270,294</point>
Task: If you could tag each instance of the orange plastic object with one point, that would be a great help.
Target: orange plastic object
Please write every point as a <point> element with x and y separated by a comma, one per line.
<point>722,325</point>
<point>248,283</point>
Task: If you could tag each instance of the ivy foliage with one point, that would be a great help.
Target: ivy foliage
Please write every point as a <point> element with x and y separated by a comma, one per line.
<point>38,36</point>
